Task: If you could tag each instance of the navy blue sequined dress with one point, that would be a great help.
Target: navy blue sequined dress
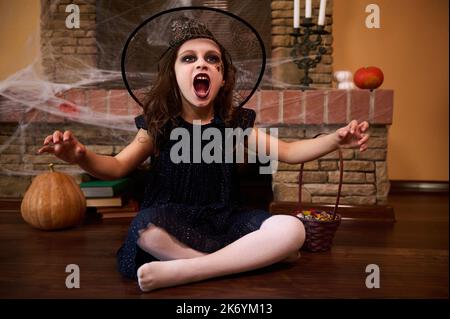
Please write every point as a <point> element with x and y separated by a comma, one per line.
<point>197,203</point>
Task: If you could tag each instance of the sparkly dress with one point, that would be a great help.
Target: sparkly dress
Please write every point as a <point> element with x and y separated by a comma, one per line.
<point>198,203</point>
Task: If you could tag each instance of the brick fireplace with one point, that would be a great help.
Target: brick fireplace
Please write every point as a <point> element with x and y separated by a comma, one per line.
<point>297,114</point>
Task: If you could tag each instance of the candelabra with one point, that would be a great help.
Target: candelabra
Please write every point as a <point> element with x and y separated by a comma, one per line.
<point>304,43</point>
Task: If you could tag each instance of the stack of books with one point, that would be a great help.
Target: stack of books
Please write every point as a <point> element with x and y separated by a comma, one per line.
<point>110,198</point>
<point>130,209</point>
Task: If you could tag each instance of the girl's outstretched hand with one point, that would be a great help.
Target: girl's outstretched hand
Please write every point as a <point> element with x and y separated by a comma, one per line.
<point>353,135</point>
<point>64,146</point>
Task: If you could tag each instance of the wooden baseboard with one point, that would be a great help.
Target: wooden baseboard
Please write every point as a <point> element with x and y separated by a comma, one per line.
<point>401,186</point>
<point>381,213</point>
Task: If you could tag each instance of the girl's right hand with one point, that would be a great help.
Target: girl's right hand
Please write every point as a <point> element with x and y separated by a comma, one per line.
<point>65,146</point>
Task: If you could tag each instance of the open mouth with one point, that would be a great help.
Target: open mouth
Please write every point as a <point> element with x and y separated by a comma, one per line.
<point>201,85</point>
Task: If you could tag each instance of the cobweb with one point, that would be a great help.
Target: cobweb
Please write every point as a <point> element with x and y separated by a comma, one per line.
<point>32,99</point>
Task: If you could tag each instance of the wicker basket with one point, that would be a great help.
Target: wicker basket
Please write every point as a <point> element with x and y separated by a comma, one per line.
<point>320,233</point>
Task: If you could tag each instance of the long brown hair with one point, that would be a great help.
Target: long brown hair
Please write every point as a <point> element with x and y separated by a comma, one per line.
<point>163,103</point>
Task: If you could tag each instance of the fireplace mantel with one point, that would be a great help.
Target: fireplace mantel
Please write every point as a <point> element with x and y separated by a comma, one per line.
<point>296,114</point>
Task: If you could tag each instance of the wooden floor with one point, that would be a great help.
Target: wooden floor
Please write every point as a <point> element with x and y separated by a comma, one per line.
<point>412,255</point>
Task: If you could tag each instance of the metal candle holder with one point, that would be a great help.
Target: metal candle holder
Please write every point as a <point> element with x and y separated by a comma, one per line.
<point>301,48</point>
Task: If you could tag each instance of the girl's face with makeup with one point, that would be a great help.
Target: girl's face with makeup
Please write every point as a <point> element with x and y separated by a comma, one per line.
<point>199,71</point>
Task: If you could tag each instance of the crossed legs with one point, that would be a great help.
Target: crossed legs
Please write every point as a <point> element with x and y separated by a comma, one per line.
<point>160,244</point>
<point>278,238</point>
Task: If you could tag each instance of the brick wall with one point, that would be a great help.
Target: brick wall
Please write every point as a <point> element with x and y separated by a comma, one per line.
<point>365,179</point>
<point>22,133</point>
<point>18,159</point>
<point>302,115</point>
<point>75,50</point>
<point>65,52</point>
<point>297,114</point>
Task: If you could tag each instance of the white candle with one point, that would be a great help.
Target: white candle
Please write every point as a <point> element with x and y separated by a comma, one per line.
<point>323,6</point>
<point>308,9</point>
<point>296,13</point>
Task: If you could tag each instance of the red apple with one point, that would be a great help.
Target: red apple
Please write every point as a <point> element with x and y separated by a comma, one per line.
<point>368,78</point>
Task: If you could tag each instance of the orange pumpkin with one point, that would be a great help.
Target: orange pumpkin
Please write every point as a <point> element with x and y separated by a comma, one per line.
<point>53,201</point>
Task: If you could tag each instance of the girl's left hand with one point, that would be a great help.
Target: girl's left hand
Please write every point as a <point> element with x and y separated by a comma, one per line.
<point>353,135</point>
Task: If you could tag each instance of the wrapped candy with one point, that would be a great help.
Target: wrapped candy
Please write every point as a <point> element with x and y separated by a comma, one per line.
<point>316,214</point>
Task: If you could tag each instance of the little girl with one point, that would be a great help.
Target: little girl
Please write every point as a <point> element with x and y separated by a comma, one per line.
<point>191,226</point>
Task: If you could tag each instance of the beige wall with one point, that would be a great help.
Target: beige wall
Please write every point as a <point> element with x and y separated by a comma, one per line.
<point>411,48</point>
<point>19,34</point>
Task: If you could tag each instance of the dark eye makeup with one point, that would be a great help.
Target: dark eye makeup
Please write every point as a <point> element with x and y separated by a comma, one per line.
<point>212,58</point>
<point>188,58</point>
<point>209,57</point>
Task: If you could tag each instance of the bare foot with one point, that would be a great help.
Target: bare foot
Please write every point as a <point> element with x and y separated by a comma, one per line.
<point>159,274</point>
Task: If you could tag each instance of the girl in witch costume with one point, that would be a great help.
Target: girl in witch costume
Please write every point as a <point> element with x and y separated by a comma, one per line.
<point>191,226</point>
